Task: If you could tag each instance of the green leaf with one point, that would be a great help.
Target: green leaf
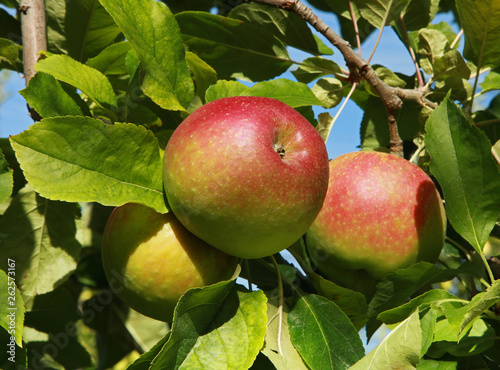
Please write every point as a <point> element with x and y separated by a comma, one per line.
<point>79,28</point>
<point>111,61</point>
<point>236,343</point>
<point>39,235</point>
<point>152,31</point>
<point>462,163</point>
<point>224,89</point>
<point>478,338</point>
<point>210,321</point>
<point>400,313</point>
<point>451,64</point>
<point>81,159</point>
<point>203,74</point>
<point>278,346</point>
<point>286,26</point>
<point>419,14</point>
<point>12,304</point>
<point>323,335</point>
<point>495,150</point>
<point>46,95</point>
<point>325,123</point>
<point>145,330</point>
<point>375,11</point>
<point>329,91</point>
<point>315,67</point>
<point>352,303</point>
<point>396,287</point>
<point>400,349</point>
<point>432,44</point>
<point>491,81</point>
<point>89,80</point>
<point>426,364</point>
<point>6,179</point>
<point>235,49</point>
<point>10,53</point>
<point>144,362</point>
<point>480,21</point>
<point>466,315</point>
<point>295,94</point>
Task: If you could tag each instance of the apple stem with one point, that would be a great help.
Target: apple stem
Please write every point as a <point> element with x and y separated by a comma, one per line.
<point>280,304</point>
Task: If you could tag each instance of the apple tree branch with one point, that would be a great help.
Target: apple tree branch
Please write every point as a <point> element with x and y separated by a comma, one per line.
<point>34,36</point>
<point>359,68</point>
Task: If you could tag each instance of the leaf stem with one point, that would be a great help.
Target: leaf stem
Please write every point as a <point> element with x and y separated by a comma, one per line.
<point>280,304</point>
<point>412,54</point>
<point>384,21</point>
<point>355,24</point>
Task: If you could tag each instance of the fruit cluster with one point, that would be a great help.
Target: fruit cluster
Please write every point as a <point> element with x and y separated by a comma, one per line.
<point>246,177</point>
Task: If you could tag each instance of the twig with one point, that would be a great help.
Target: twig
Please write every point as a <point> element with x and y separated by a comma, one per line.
<point>359,68</point>
<point>355,24</point>
<point>34,36</point>
<point>412,54</point>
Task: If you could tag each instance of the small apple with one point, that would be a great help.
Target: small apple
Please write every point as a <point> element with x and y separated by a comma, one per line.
<point>248,175</point>
<point>381,213</point>
<point>150,260</point>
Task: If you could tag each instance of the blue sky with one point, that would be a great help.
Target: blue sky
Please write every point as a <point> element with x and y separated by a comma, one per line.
<point>344,138</point>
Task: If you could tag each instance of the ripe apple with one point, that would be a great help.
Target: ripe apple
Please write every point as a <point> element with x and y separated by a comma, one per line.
<point>150,260</point>
<point>381,213</point>
<point>248,175</point>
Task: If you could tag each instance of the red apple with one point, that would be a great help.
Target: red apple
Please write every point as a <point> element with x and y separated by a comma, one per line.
<point>248,175</point>
<point>150,260</point>
<point>381,213</point>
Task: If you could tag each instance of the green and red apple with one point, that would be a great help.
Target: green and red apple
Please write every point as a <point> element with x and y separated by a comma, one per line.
<point>381,213</point>
<point>248,175</point>
<point>151,260</point>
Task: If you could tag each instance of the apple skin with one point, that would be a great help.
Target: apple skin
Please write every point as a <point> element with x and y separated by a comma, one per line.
<point>150,260</point>
<point>248,175</point>
<point>381,213</point>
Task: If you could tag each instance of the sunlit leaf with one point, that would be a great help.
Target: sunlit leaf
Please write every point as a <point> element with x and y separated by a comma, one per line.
<point>400,349</point>
<point>375,11</point>
<point>481,24</point>
<point>224,89</point>
<point>46,95</point>
<point>6,179</point>
<point>153,33</point>
<point>461,161</point>
<point>323,335</point>
<point>295,94</point>
<point>89,80</point>
<point>278,346</point>
<point>111,61</point>
<point>217,324</point>
<point>81,159</point>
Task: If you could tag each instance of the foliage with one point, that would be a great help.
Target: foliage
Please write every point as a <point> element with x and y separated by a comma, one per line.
<point>119,77</point>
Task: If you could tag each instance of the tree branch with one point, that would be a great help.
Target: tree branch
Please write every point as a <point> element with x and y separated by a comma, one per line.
<point>359,68</point>
<point>34,34</point>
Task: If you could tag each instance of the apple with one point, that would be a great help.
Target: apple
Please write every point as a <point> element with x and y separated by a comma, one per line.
<point>381,213</point>
<point>248,175</point>
<point>150,260</point>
